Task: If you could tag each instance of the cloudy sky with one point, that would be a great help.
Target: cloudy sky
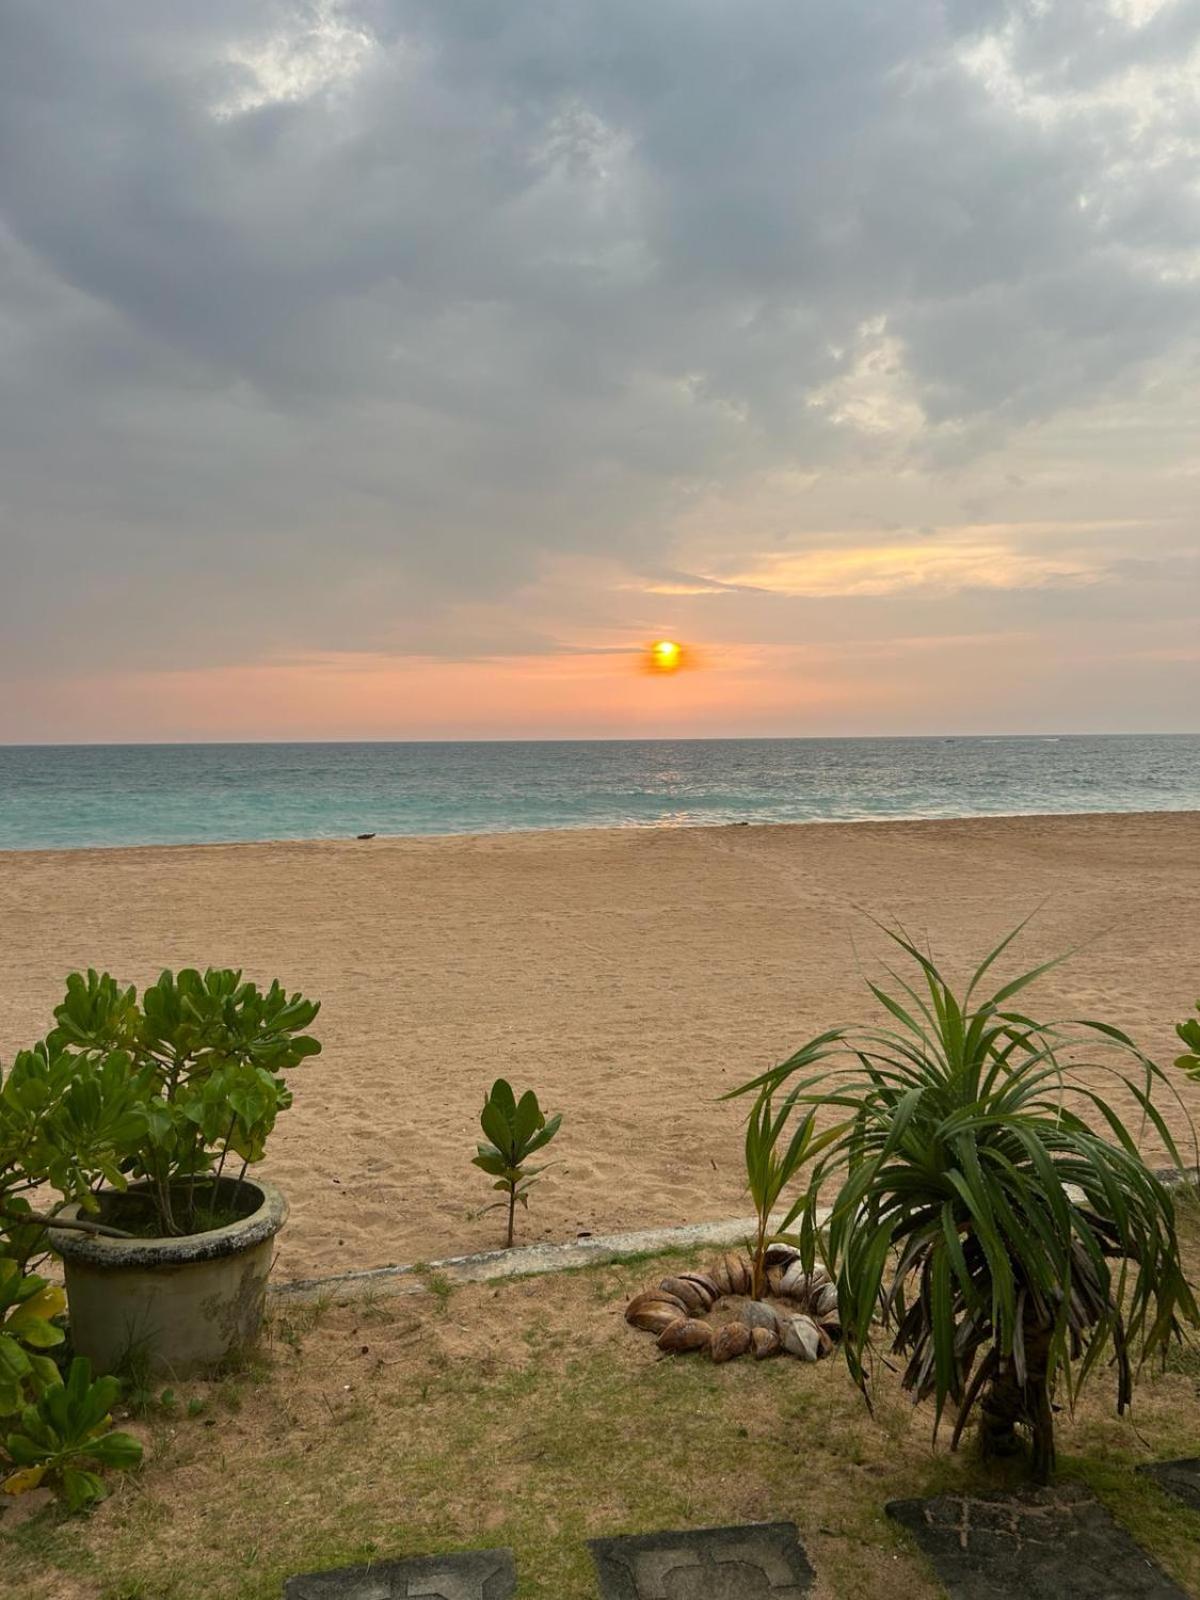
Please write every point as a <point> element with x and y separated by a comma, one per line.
<point>400,368</point>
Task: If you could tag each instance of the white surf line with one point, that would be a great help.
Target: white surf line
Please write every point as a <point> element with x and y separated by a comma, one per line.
<point>522,1260</point>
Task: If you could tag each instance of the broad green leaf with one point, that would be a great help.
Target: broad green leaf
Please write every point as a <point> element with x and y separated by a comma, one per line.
<point>14,1363</point>
<point>116,1450</point>
<point>37,1333</point>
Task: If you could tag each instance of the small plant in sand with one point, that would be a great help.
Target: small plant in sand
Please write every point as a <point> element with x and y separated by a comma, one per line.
<point>516,1129</point>
<point>1008,1247</point>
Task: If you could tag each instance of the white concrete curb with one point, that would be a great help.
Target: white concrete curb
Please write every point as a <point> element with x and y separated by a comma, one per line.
<point>534,1259</point>
<point>521,1261</point>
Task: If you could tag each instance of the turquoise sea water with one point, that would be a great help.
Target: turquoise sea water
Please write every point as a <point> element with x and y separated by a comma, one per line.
<point>74,795</point>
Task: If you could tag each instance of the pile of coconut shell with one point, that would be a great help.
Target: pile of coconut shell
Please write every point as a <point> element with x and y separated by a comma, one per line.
<point>714,1311</point>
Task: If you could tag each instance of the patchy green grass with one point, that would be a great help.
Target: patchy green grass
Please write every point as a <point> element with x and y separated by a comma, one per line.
<point>528,1414</point>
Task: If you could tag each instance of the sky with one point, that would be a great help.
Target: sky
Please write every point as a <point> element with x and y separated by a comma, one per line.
<point>401,369</point>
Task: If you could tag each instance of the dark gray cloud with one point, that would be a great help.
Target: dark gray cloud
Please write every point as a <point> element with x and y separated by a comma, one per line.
<point>319,320</point>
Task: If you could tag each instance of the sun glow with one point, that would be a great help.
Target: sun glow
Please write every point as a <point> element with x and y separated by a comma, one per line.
<point>664,655</point>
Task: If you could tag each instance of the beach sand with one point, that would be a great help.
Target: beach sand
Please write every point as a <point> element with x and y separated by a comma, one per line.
<point>630,976</point>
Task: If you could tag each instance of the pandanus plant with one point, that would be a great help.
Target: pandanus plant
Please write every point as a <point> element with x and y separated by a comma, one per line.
<point>979,1215</point>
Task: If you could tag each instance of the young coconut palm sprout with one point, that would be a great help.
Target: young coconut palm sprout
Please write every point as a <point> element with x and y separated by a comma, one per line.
<point>770,1167</point>
<point>1005,1244</point>
<point>516,1131</point>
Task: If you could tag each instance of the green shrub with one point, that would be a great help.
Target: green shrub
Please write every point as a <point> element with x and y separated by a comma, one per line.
<point>206,1053</point>
<point>66,1122</point>
<point>64,1433</point>
<point>67,1125</point>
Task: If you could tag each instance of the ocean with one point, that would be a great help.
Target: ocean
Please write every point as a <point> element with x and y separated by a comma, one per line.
<point>64,796</point>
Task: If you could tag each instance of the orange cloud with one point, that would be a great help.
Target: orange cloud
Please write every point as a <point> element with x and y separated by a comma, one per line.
<point>970,559</point>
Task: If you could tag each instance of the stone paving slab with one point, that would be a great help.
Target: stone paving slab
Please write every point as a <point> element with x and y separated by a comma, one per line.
<point>465,1575</point>
<point>758,1561</point>
<point>1178,1478</point>
<point>1038,1544</point>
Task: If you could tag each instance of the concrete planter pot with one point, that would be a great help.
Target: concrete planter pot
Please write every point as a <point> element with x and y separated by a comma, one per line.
<point>175,1303</point>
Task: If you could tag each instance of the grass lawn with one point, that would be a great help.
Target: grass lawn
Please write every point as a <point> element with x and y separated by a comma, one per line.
<point>529,1415</point>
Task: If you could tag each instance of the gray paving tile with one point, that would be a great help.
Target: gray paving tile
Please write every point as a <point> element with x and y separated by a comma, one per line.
<point>1179,1478</point>
<point>758,1561</point>
<point>1039,1544</point>
<point>464,1575</point>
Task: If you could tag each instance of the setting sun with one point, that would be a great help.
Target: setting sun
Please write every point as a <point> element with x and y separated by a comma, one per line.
<point>665,656</point>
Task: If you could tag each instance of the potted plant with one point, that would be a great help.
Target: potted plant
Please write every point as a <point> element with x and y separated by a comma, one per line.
<point>1005,1244</point>
<point>178,1277</point>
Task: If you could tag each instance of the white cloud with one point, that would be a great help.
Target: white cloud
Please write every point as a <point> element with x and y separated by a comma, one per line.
<point>317,48</point>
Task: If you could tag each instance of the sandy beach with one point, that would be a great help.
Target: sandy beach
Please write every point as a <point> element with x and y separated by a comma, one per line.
<point>629,975</point>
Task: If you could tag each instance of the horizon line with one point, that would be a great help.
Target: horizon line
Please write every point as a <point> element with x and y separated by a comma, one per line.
<point>565,739</point>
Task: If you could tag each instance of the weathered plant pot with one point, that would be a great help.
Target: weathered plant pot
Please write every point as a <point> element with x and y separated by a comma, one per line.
<point>172,1304</point>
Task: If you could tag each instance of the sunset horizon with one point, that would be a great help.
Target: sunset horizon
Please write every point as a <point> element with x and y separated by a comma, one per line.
<point>380,369</point>
<point>599,799</point>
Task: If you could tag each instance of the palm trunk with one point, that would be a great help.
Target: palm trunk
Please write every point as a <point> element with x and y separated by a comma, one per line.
<point>758,1270</point>
<point>1009,1404</point>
